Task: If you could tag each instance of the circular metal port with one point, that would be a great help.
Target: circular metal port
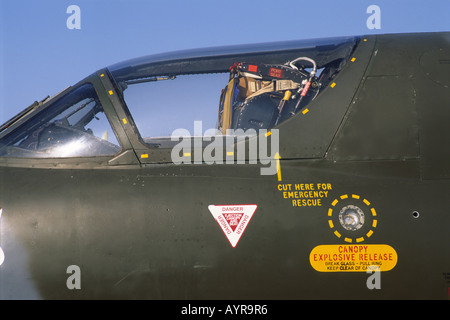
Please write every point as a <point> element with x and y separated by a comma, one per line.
<point>351,218</point>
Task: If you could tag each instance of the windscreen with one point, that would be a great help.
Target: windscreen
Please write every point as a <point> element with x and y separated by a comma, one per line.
<point>74,125</point>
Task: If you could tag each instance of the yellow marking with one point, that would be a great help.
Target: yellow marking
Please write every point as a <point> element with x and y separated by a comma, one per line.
<point>353,59</point>
<point>333,84</point>
<point>345,196</point>
<point>374,223</point>
<point>102,75</point>
<point>277,157</point>
<point>144,156</point>
<point>355,196</point>
<point>334,202</point>
<point>366,202</point>
<point>225,120</point>
<point>230,153</point>
<point>330,212</point>
<point>268,133</point>
<point>124,120</point>
<point>337,234</point>
<point>110,92</point>
<point>369,233</point>
<point>381,255</point>
<point>348,240</point>
<point>365,40</point>
<point>373,212</point>
<point>287,95</point>
<point>305,111</point>
<point>187,154</point>
<point>331,223</point>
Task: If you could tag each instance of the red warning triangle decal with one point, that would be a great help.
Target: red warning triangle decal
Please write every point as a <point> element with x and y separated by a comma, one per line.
<point>233,219</point>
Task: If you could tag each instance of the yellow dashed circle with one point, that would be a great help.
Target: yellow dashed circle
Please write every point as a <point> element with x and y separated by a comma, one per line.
<point>371,210</point>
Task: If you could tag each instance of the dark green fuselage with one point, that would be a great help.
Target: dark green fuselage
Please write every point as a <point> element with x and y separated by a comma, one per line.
<point>140,227</point>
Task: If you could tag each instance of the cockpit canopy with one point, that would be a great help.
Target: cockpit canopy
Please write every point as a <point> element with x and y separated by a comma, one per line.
<point>227,89</point>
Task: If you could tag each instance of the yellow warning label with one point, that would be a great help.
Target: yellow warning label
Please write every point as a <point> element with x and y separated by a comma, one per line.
<point>352,258</point>
<point>305,194</point>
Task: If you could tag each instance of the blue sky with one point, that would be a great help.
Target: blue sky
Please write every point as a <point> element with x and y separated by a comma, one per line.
<point>40,56</point>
